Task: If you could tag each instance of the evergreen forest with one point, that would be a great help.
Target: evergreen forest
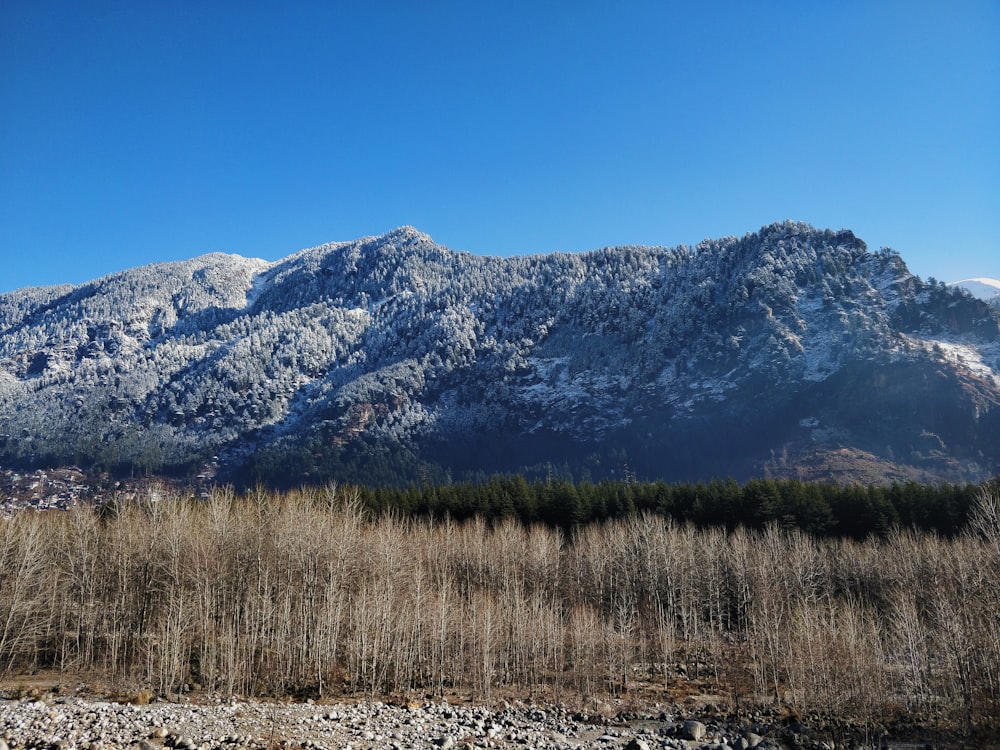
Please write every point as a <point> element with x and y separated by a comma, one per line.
<point>853,511</point>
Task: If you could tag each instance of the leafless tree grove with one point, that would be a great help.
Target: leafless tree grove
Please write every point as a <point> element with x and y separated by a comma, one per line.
<point>303,593</point>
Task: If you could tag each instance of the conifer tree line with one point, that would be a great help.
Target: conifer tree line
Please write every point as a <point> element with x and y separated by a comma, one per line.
<point>855,511</point>
<point>309,593</point>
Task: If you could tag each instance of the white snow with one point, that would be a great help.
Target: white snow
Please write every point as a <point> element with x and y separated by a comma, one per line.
<point>982,360</point>
<point>258,281</point>
<point>815,345</point>
<point>981,288</point>
<point>587,395</point>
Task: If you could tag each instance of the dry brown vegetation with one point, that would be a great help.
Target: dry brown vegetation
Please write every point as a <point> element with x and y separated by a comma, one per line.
<point>303,593</point>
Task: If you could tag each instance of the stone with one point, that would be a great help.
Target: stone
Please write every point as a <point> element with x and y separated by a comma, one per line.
<point>637,744</point>
<point>693,730</point>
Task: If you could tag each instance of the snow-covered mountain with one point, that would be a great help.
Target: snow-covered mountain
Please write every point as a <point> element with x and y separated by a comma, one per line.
<point>981,288</point>
<point>790,351</point>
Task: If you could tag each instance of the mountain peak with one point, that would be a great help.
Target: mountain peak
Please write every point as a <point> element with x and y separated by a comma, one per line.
<point>407,233</point>
<point>980,287</point>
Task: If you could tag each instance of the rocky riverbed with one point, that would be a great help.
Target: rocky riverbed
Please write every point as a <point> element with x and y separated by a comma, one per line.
<point>65,723</point>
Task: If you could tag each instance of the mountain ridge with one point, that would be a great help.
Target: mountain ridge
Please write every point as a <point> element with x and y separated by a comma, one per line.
<point>391,358</point>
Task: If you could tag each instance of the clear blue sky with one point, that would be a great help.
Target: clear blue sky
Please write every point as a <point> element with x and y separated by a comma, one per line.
<point>134,132</point>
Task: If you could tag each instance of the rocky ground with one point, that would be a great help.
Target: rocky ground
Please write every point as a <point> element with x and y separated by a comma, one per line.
<point>65,723</point>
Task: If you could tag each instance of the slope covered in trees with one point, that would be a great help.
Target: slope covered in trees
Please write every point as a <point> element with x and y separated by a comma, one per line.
<point>392,360</point>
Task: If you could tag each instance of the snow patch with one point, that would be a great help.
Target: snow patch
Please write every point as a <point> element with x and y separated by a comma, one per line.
<point>982,360</point>
<point>8,383</point>
<point>258,281</point>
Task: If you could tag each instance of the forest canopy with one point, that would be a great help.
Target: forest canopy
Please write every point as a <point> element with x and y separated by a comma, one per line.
<point>854,511</point>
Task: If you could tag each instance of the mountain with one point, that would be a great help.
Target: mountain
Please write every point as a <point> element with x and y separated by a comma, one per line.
<point>790,351</point>
<point>984,289</point>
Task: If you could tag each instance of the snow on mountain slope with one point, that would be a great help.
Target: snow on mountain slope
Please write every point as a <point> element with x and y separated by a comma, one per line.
<point>981,288</point>
<point>392,358</point>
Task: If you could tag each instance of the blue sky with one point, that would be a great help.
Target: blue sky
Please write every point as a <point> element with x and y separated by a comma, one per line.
<point>137,132</point>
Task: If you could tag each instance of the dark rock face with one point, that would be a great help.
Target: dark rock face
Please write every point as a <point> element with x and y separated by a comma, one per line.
<point>392,359</point>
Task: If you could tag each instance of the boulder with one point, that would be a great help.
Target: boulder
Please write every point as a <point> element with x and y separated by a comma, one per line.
<point>693,730</point>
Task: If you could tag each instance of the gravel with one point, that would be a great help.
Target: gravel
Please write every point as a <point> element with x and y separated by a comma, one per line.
<point>89,724</point>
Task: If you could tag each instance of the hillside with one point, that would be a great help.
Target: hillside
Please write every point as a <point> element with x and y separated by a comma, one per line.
<point>791,351</point>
